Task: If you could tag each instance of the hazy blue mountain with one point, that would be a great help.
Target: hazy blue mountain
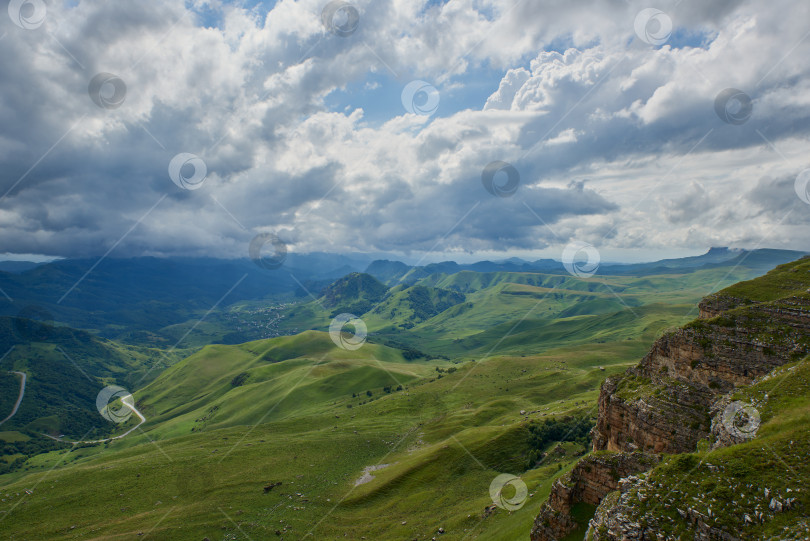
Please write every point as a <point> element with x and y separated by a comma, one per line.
<point>152,293</point>
<point>763,259</point>
<point>18,266</point>
<point>392,272</point>
<point>128,299</point>
<point>385,270</point>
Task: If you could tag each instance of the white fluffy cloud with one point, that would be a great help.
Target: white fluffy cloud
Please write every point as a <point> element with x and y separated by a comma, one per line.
<point>617,142</point>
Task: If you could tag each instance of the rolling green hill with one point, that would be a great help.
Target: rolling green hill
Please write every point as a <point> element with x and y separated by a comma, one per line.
<point>406,307</point>
<point>354,293</point>
<point>66,369</point>
<point>294,437</point>
<point>444,436</point>
<point>223,386</point>
<point>428,317</point>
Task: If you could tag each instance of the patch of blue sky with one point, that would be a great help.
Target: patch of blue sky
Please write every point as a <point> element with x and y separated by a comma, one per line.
<point>380,95</point>
<point>682,38</point>
<point>210,14</point>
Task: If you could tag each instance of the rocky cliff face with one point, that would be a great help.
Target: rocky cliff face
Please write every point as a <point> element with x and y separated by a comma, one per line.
<point>591,480</point>
<point>616,518</point>
<point>714,305</point>
<point>637,414</point>
<point>676,397</point>
<point>663,404</point>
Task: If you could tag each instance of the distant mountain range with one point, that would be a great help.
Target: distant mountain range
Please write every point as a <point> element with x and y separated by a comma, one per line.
<point>461,376</point>
<point>151,293</point>
<point>124,298</point>
<point>18,266</point>
<point>395,271</point>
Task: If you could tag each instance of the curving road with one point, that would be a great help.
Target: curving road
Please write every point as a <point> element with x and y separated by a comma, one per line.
<point>127,401</point>
<point>23,377</point>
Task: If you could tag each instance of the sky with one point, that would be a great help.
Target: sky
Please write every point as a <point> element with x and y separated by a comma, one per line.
<point>434,129</point>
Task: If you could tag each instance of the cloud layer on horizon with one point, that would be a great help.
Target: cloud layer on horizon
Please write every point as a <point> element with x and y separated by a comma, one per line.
<point>616,141</point>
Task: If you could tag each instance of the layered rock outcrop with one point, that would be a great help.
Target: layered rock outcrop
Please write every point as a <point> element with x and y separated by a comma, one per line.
<point>677,396</point>
<point>591,480</point>
<point>714,305</point>
<point>616,518</point>
<point>637,414</point>
<point>663,404</point>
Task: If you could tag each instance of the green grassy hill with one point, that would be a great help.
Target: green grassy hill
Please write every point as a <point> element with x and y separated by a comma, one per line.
<point>223,386</point>
<point>428,317</point>
<point>354,293</point>
<point>407,307</point>
<point>445,436</point>
<point>66,369</point>
<point>271,438</point>
<point>750,476</point>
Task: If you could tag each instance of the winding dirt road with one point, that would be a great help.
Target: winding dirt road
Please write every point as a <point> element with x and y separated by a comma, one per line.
<point>128,402</point>
<point>23,378</point>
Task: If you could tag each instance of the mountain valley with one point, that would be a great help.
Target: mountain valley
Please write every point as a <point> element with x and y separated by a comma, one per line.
<point>459,378</point>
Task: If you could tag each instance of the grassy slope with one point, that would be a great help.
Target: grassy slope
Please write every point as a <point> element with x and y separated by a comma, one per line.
<point>231,385</point>
<point>783,281</point>
<point>445,438</point>
<point>66,369</point>
<point>732,481</point>
<point>496,301</point>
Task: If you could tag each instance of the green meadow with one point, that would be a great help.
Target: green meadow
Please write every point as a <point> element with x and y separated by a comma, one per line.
<point>270,438</point>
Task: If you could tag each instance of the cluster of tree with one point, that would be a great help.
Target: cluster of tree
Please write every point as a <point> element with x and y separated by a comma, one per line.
<point>543,434</point>
<point>408,353</point>
<point>411,354</point>
<point>426,305</point>
<point>388,389</point>
<point>239,380</point>
<point>28,448</point>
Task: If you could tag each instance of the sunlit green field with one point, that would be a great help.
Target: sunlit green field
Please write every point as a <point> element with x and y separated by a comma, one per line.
<point>228,421</point>
<point>445,440</point>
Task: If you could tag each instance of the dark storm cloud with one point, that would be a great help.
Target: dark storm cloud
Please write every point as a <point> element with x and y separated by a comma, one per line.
<point>248,100</point>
